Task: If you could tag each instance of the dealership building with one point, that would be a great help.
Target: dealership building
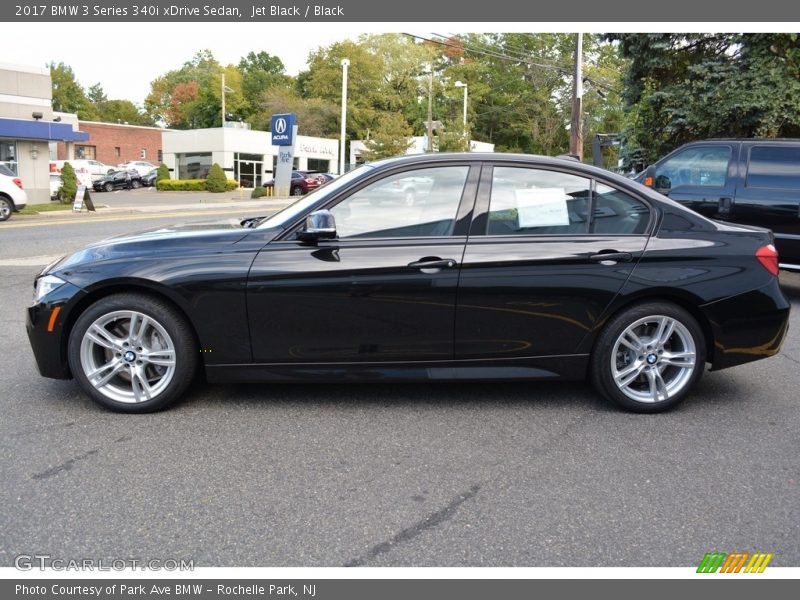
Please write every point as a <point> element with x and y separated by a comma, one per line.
<point>245,155</point>
<point>28,127</point>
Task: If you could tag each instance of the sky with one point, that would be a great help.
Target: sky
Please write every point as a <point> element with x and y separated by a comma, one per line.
<point>126,57</point>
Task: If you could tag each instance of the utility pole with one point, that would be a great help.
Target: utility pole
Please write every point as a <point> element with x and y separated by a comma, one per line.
<point>342,157</point>
<point>575,134</point>
<point>223,100</point>
<point>430,110</point>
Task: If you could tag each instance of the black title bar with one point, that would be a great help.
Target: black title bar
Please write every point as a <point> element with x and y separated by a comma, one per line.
<point>361,11</point>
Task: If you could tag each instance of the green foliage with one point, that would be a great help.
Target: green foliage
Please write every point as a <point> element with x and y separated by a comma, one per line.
<point>181,185</point>
<point>391,138</point>
<point>68,95</point>
<point>192,185</point>
<point>216,181</point>
<point>258,192</point>
<point>121,111</point>
<point>162,172</point>
<point>683,87</point>
<point>69,184</point>
<point>317,117</point>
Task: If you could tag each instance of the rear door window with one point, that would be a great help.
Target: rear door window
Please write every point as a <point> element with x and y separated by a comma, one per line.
<point>774,167</point>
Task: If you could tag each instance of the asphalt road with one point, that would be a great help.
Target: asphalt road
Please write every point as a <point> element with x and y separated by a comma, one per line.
<point>522,474</point>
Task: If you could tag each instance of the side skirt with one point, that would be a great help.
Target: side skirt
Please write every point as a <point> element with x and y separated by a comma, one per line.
<point>572,367</point>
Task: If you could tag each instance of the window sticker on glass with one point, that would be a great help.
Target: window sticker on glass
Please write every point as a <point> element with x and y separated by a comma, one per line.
<point>542,207</point>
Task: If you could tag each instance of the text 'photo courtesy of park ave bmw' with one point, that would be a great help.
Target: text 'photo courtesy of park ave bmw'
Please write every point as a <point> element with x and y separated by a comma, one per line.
<point>440,266</point>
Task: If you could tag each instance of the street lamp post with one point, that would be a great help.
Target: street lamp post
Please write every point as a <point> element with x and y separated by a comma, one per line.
<point>225,90</point>
<point>461,84</point>
<point>345,64</point>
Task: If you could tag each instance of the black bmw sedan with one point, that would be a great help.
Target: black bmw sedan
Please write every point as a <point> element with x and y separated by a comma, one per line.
<point>506,267</point>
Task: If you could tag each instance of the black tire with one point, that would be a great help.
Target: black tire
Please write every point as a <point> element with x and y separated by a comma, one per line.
<point>297,191</point>
<point>109,187</point>
<point>6,208</point>
<point>140,372</point>
<point>136,184</point>
<point>641,371</point>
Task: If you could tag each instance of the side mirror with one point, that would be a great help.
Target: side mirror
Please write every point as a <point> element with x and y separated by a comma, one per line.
<point>663,184</point>
<point>320,225</point>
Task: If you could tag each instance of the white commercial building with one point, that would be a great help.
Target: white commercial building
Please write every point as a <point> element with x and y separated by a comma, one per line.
<point>245,155</point>
<point>417,145</point>
<point>28,126</point>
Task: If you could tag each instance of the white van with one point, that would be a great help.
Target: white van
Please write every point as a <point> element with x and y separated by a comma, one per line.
<point>86,170</point>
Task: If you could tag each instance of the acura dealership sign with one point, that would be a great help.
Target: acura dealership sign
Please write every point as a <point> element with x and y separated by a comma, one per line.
<point>282,128</point>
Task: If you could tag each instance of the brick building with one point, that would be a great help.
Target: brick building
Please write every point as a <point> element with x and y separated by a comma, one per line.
<point>112,143</point>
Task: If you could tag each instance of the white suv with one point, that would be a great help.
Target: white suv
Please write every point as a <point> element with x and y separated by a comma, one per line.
<point>12,196</point>
<point>141,166</point>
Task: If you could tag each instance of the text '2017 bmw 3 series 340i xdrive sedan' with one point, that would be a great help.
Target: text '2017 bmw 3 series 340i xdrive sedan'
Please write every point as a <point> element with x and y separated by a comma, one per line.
<point>504,267</point>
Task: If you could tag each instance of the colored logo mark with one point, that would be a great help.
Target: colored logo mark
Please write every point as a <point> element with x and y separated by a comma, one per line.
<point>735,562</point>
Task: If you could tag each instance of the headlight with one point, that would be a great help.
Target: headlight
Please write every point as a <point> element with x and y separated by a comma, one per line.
<point>45,285</point>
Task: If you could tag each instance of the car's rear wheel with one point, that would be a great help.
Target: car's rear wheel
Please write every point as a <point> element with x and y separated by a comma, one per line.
<point>297,191</point>
<point>6,208</point>
<point>109,187</point>
<point>132,353</point>
<point>136,184</point>
<point>649,357</point>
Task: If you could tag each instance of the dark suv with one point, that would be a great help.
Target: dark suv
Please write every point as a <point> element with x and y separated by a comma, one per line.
<point>752,182</point>
<point>302,182</point>
<point>118,180</point>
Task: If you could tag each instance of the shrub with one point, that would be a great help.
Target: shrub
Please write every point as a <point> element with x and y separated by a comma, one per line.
<point>217,181</point>
<point>181,185</point>
<point>191,185</point>
<point>258,192</point>
<point>69,184</point>
<point>162,173</point>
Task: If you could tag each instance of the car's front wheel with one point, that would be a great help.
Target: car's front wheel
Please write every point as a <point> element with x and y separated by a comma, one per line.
<point>136,184</point>
<point>109,187</point>
<point>6,208</point>
<point>649,357</point>
<point>132,353</point>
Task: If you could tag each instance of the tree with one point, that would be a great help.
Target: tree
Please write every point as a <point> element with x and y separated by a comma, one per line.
<point>261,72</point>
<point>683,87</point>
<point>68,95</point>
<point>191,97</point>
<point>120,111</point>
<point>216,181</point>
<point>391,138</point>
<point>69,184</point>
<point>316,116</point>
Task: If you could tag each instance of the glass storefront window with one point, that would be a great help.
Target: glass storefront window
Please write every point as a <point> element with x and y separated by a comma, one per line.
<point>194,165</point>
<point>247,169</point>
<point>8,155</point>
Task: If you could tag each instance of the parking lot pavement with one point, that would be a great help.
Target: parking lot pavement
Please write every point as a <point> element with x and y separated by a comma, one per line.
<point>511,474</point>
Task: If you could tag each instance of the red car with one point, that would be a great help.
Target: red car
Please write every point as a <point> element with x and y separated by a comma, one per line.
<point>302,182</point>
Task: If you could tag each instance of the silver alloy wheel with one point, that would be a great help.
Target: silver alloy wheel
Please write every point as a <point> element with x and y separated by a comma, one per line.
<point>5,209</point>
<point>653,359</point>
<point>127,356</point>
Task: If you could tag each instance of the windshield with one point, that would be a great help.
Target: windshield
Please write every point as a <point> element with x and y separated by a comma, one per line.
<point>286,216</point>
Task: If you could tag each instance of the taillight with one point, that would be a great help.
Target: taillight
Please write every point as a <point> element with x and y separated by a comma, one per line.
<point>18,182</point>
<point>768,257</point>
<point>310,180</point>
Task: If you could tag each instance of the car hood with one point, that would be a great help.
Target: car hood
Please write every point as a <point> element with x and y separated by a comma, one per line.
<point>199,238</point>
